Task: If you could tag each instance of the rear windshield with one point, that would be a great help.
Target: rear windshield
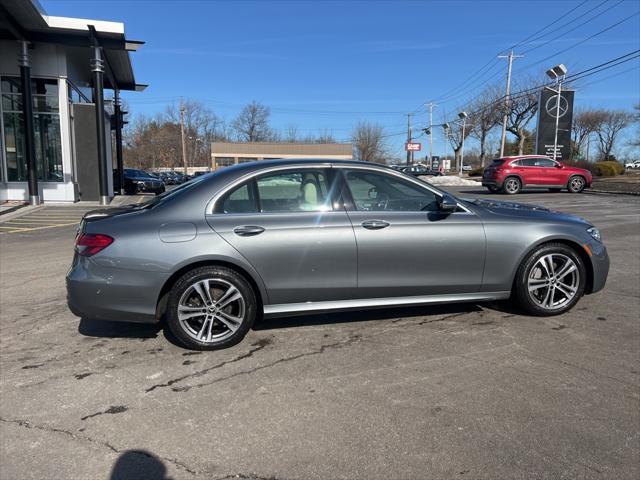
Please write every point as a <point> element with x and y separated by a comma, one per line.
<point>496,162</point>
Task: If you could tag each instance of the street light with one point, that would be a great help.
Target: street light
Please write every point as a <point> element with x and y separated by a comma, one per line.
<point>558,74</point>
<point>463,117</point>
<point>446,128</point>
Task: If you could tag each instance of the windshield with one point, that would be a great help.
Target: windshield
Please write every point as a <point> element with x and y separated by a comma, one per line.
<point>136,173</point>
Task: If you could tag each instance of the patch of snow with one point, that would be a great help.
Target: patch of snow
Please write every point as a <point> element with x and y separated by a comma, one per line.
<point>450,181</point>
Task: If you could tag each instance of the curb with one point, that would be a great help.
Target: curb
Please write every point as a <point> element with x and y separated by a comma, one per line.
<point>12,209</point>
<point>19,212</point>
<point>609,192</point>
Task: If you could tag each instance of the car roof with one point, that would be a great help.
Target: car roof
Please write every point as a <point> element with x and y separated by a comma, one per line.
<point>262,164</point>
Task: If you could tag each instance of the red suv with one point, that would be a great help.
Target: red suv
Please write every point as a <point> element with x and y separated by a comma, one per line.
<point>511,174</point>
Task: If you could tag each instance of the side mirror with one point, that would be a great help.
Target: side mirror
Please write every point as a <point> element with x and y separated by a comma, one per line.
<point>559,165</point>
<point>447,204</point>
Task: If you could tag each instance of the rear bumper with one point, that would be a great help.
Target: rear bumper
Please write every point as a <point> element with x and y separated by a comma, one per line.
<point>103,293</point>
<point>491,182</point>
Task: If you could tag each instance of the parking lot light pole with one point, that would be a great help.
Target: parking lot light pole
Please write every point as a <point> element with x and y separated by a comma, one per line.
<point>463,116</point>
<point>557,73</point>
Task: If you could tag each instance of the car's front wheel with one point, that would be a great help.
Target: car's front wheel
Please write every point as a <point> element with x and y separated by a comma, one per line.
<point>211,307</point>
<point>576,184</point>
<point>550,281</point>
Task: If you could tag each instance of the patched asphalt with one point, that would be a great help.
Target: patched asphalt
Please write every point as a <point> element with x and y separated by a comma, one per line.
<point>459,391</point>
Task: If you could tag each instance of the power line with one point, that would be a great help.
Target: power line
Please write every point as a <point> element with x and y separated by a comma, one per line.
<point>574,28</point>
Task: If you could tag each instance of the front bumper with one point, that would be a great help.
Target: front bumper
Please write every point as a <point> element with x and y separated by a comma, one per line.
<point>600,265</point>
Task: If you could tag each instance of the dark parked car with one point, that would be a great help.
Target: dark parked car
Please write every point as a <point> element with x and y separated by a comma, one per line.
<point>139,181</point>
<point>417,170</point>
<point>511,174</point>
<point>288,237</point>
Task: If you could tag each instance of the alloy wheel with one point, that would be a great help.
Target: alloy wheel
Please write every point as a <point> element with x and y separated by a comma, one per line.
<point>512,185</point>
<point>211,310</point>
<point>576,184</point>
<point>553,281</point>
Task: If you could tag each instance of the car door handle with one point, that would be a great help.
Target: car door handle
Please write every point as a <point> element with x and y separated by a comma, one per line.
<point>375,224</point>
<point>248,230</point>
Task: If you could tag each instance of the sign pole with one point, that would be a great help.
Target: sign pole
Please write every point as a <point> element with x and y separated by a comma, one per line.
<point>555,140</point>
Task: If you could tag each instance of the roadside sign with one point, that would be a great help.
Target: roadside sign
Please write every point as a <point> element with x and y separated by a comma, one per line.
<point>412,146</point>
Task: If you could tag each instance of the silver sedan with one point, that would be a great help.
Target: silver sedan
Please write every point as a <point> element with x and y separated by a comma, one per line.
<point>288,237</point>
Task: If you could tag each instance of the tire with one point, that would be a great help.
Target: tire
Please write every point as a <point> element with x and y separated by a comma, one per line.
<point>547,297</point>
<point>493,189</point>
<point>158,192</point>
<point>576,184</point>
<point>202,327</point>
<point>511,186</point>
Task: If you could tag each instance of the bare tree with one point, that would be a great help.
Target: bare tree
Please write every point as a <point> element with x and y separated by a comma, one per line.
<point>635,142</point>
<point>486,115</point>
<point>325,136</point>
<point>455,136</point>
<point>369,142</point>
<point>252,124</point>
<point>202,126</point>
<point>614,122</point>
<point>522,109</point>
<point>585,122</point>
<point>291,133</point>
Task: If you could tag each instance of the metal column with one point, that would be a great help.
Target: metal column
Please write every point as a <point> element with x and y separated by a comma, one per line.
<point>27,118</point>
<point>118,120</point>
<point>97,66</point>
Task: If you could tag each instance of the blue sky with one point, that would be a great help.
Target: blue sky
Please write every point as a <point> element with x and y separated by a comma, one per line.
<point>327,64</point>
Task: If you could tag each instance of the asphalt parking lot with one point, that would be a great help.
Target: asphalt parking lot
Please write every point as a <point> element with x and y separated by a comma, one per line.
<point>462,391</point>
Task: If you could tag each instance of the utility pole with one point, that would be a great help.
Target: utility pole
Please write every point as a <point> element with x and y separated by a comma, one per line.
<point>409,153</point>
<point>510,58</point>
<point>184,145</point>
<point>431,105</point>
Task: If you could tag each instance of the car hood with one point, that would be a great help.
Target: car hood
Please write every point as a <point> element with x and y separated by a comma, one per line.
<point>521,210</point>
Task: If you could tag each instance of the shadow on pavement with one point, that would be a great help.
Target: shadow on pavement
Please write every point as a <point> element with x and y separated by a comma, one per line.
<point>138,464</point>
<point>103,328</point>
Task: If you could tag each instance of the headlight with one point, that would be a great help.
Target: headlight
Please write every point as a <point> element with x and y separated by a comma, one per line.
<point>595,233</point>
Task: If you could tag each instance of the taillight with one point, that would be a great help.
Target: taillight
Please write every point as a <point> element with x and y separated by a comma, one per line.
<point>89,244</point>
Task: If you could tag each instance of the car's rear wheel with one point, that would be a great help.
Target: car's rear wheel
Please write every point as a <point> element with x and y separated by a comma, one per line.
<point>550,281</point>
<point>512,185</point>
<point>576,184</point>
<point>210,308</point>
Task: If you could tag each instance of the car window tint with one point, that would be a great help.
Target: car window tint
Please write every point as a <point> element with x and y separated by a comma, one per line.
<point>239,200</point>
<point>373,191</point>
<point>527,162</point>
<point>544,162</point>
<point>294,191</point>
<point>497,162</point>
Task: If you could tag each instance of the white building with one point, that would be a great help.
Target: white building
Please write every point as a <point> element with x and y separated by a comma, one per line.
<point>60,66</point>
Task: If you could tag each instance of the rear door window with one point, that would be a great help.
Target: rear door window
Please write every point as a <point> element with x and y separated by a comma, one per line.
<point>294,191</point>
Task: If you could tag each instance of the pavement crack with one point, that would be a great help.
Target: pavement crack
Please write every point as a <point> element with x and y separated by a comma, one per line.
<point>111,410</point>
<point>31,426</point>
<point>258,346</point>
<point>350,341</point>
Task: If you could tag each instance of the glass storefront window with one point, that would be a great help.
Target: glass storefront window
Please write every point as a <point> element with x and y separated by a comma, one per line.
<point>46,124</point>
